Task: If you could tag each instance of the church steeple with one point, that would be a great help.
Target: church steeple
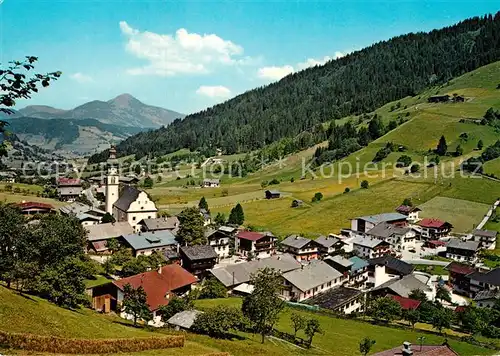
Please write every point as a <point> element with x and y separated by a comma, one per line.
<point>112,180</point>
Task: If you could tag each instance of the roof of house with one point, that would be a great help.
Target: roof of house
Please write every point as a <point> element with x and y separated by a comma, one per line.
<point>295,241</point>
<point>463,245</point>
<point>358,263</point>
<point>433,223</point>
<point>108,230</point>
<point>424,350</point>
<point>369,242</point>
<point>184,319</point>
<point>273,192</point>
<point>404,286</point>
<point>491,277</point>
<point>77,208</point>
<point>69,182</point>
<point>327,241</point>
<point>69,190</point>
<point>250,235</point>
<point>485,233</point>
<point>211,181</point>
<point>100,246</point>
<point>393,263</point>
<point>334,297</point>
<point>205,213</point>
<point>406,209</point>
<point>34,205</point>
<point>344,262</point>
<point>406,303</point>
<point>385,230</point>
<point>313,275</point>
<point>150,239</point>
<point>84,216</point>
<point>128,195</point>
<point>199,252</point>
<point>227,229</point>
<point>167,223</point>
<point>158,285</point>
<point>487,294</point>
<point>385,217</point>
<point>460,268</point>
<point>236,274</point>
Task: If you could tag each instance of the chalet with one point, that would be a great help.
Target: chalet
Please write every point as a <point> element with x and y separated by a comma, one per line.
<point>401,237</point>
<point>32,208</point>
<point>328,245</point>
<point>301,248</point>
<point>385,268</point>
<point>233,275</point>
<point>211,183</point>
<point>145,243</point>
<point>183,320</point>
<point>410,211</point>
<point>458,277</point>
<point>486,238</point>
<point>307,281</point>
<point>160,286</point>
<point>69,189</point>
<point>86,214</point>
<point>220,240</point>
<point>98,235</point>
<point>296,203</point>
<point>272,194</point>
<point>404,286</point>
<point>406,303</point>
<point>207,218</point>
<point>88,219</point>
<point>133,206</point>
<point>421,350</point>
<point>8,177</point>
<point>487,298</point>
<point>369,247</point>
<point>354,268</point>
<point>258,244</point>
<point>439,99</point>
<point>484,280</point>
<point>434,228</point>
<point>340,300</point>
<point>458,98</point>
<point>170,223</point>
<point>365,223</point>
<point>462,251</point>
<point>198,259</point>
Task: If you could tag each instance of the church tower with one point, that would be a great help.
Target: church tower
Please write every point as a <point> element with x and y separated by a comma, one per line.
<point>112,180</point>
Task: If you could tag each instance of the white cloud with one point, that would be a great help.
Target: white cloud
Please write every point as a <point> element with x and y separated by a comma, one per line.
<point>81,78</point>
<point>180,53</point>
<point>217,91</point>
<point>275,73</point>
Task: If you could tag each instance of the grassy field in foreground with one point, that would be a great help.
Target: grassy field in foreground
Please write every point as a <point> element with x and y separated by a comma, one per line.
<point>464,215</point>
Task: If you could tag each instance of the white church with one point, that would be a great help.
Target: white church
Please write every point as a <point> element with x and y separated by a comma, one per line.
<point>131,204</point>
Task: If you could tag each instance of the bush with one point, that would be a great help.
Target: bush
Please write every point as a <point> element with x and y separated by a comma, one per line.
<point>415,168</point>
<point>274,182</point>
<point>365,184</point>
<point>404,161</point>
<point>317,197</point>
<point>347,190</point>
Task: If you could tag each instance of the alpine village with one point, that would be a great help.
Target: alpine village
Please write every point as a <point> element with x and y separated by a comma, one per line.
<point>346,207</point>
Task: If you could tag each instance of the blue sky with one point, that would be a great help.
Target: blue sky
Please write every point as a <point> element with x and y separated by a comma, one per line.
<point>188,55</point>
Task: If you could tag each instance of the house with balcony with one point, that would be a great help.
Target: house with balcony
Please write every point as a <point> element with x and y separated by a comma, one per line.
<point>369,247</point>
<point>487,298</point>
<point>303,249</point>
<point>432,229</point>
<point>458,277</point>
<point>365,223</point>
<point>220,240</point>
<point>339,300</point>
<point>329,245</point>
<point>462,251</point>
<point>401,237</point>
<point>310,280</point>
<point>354,268</point>
<point>145,243</point>
<point>256,244</point>
<point>411,212</point>
<point>487,238</point>
<point>484,280</point>
<point>69,189</point>
<point>385,268</point>
<point>198,259</point>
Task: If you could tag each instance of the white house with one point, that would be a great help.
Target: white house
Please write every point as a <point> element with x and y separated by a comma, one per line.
<point>487,298</point>
<point>401,237</point>
<point>369,247</point>
<point>411,212</point>
<point>134,206</point>
<point>462,251</point>
<point>486,238</point>
<point>365,223</point>
<point>211,183</point>
<point>310,280</point>
<point>220,240</point>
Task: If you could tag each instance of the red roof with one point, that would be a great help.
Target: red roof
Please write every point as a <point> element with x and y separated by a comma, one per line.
<point>460,309</point>
<point>431,222</point>
<point>406,303</point>
<point>34,204</point>
<point>460,268</point>
<point>159,285</point>
<point>436,242</point>
<point>406,209</point>
<point>250,235</point>
<point>69,181</point>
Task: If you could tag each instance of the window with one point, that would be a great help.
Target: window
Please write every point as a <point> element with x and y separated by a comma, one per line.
<point>133,218</point>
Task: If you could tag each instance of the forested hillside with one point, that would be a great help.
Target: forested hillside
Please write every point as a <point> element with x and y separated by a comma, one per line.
<point>357,83</point>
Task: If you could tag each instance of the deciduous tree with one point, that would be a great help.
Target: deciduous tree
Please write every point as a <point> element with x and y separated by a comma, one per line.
<point>312,327</point>
<point>365,345</point>
<point>135,303</point>
<point>298,322</point>
<point>191,229</point>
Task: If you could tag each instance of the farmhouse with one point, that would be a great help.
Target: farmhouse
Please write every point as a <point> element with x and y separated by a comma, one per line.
<point>301,248</point>
<point>459,250</point>
<point>133,206</point>
<point>487,298</point>
<point>183,320</point>
<point>480,281</point>
<point>98,235</point>
<point>434,228</point>
<point>410,211</point>
<point>486,238</point>
<point>365,223</point>
<point>88,219</point>
<point>385,268</point>
<point>160,286</point>
<point>198,259</point>
<point>170,223</point>
<point>401,237</point>
<point>88,215</point>
<point>220,240</point>
<point>369,247</point>
<point>328,245</point>
<point>145,243</point>
<point>355,268</point>
<point>69,189</point>
<point>272,194</point>
<point>31,208</point>
<point>258,244</point>
<point>439,99</point>
<point>421,350</point>
<point>406,303</point>
<point>307,281</point>
<point>234,275</point>
<point>207,218</point>
<point>340,300</point>
<point>458,277</point>
<point>211,183</point>
<point>404,286</point>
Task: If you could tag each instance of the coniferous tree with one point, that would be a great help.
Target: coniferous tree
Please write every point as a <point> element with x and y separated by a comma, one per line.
<point>203,204</point>
<point>236,217</point>
<point>442,147</point>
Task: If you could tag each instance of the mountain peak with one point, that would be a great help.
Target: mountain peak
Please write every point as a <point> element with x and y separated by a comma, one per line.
<point>124,100</point>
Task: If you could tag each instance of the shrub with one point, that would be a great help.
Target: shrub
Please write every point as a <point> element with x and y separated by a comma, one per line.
<point>347,190</point>
<point>365,184</point>
<point>317,197</point>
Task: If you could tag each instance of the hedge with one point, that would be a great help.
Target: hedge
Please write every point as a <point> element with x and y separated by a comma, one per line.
<point>52,344</point>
